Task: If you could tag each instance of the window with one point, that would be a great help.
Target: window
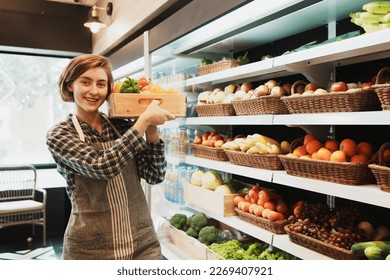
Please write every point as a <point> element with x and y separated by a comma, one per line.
<point>29,105</point>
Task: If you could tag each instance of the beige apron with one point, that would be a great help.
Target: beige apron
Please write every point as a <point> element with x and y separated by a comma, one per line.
<point>110,219</point>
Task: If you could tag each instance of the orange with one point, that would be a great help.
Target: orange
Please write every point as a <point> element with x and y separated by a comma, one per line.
<point>291,155</point>
<point>365,148</point>
<point>308,137</point>
<point>300,151</point>
<point>324,153</point>
<point>313,146</point>
<point>338,156</point>
<point>315,156</point>
<point>331,145</point>
<point>348,146</point>
<point>305,157</point>
<point>360,158</point>
<point>237,199</point>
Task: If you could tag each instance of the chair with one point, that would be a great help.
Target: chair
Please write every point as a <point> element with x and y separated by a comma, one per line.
<point>18,202</point>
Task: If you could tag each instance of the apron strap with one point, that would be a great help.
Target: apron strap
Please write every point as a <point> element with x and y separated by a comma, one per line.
<point>78,128</point>
<point>113,127</point>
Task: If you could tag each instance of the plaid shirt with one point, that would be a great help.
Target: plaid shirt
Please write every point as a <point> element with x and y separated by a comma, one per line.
<point>74,157</point>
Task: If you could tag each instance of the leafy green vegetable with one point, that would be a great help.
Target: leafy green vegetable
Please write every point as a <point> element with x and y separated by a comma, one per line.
<point>235,250</point>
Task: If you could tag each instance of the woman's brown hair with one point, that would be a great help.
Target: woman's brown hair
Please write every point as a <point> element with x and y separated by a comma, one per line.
<point>79,65</point>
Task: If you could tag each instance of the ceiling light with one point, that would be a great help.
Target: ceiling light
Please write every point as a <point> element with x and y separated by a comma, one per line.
<point>94,23</point>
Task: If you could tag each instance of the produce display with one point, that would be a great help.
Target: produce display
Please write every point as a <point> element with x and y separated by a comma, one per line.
<point>210,180</point>
<point>346,150</point>
<point>236,250</point>
<point>263,203</point>
<point>142,85</point>
<point>257,144</point>
<point>375,16</point>
<point>210,139</point>
<point>196,226</point>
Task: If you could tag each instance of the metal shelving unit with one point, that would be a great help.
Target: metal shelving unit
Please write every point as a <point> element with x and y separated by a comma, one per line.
<point>315,64</point>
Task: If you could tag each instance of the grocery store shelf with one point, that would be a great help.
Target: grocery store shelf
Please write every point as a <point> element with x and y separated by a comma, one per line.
<point>281,241</point>
<point>342,118</point>
<point>231,120</point>
<point>309,62</point>
<point>370,194</point>
<point>225,166</point>
<point>345,118</point>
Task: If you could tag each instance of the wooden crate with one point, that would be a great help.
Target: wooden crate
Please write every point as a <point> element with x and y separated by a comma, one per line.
<point>191,246</point>
<point>211,201</point>
<point>127,105</point>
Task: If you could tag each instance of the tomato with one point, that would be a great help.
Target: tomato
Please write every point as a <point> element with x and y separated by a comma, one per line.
<point>143,82</point>
<point>338,86</point>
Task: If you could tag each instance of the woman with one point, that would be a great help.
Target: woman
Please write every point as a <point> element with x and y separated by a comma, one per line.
<point>102,161</point>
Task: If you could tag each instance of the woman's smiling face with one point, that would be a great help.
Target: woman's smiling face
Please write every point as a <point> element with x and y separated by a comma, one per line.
<point>90,90</point>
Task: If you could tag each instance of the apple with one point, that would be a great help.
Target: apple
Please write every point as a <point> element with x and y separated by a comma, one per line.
<point>197,139</point>
<point>367,85</point>
<point>308,92</point>
<point>299,89</point>
<point>205,135</point>
<point>219,143</point>
<point>338,86</point>
<point>212,133</point>
<point>320,90</point>
<point>311,86</point>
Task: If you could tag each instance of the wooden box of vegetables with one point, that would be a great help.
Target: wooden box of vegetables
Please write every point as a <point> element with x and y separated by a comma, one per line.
<point>127,105</point>
<point>215,202</point>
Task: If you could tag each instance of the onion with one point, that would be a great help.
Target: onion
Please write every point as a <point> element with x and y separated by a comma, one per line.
<point>277,91</point>
<point>271,83</point>
<point>261,90</point>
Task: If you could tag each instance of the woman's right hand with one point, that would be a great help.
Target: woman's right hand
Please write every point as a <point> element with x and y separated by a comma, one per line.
<point>153,115</point>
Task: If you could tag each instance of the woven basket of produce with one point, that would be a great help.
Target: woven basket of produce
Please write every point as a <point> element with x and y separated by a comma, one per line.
<point>348,101</point>
<point>209,152</point>
<point>382,88</point>
<point>213,110</point>
<point>381,167</point>
<point>263,161</point>
<point>260,106</point>
<point>218,66</point>
<point>319,246</point>
<point>348,173</point>
<point>273,226</point>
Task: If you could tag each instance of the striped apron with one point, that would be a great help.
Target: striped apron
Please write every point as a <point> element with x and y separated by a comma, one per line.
<point>110,219</point>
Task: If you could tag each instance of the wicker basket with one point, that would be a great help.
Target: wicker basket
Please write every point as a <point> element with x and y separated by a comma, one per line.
<point>380,170</point>
<point>275,226</point>
<point>218,66</point>
<point>347,173</point>
<point>319,246</point>
<point>382,88</point>
<point>360,100</point>
<point>209,152</point>
<point>213,110</point>
<point>270,162</point>
<point>260,106</point>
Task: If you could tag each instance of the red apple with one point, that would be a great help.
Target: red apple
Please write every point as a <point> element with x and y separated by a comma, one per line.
<point>338,86</point>
<point>311,86</point>
<point>367,85</point>
<point>197,139</point>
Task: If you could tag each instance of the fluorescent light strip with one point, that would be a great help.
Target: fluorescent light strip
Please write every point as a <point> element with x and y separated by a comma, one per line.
<point>244,15</point>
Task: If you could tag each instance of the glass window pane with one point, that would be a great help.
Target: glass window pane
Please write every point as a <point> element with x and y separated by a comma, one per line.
<point>29,105</point>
